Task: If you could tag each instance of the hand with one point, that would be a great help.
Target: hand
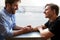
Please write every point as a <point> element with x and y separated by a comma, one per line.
<point>27,29</point>
<point>29,26</point>
<point>42,26</point>
<point>35,29</point>
<point>38,27</point>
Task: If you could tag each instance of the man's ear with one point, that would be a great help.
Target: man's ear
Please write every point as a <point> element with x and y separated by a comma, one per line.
<point>7,5</point>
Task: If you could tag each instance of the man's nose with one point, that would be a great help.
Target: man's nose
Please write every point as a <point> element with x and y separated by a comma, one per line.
<point>16,7</point>
<point>44,12</point>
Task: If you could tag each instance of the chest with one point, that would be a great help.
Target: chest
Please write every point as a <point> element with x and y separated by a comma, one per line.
<point>9,20</point>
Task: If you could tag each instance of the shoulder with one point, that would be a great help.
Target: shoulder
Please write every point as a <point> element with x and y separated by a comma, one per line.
<point>58,20</point>
<point>1,12</point>
<point>47,23</point>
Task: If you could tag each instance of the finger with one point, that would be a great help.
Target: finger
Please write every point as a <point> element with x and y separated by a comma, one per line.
<point>29,26</point>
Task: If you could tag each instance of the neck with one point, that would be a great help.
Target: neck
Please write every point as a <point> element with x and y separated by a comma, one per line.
<point>53,18</point>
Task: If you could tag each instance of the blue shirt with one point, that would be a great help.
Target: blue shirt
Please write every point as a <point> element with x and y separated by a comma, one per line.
<point>7,23</point>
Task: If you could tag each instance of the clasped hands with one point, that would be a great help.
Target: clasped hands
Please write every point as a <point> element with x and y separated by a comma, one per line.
<point>29,28</point>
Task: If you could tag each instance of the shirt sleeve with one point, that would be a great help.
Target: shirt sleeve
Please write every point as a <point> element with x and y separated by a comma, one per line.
<point>4,29</point>
<point>46,24</point>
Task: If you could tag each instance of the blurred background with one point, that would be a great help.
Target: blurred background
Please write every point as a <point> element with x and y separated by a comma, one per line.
<point>30,12</point>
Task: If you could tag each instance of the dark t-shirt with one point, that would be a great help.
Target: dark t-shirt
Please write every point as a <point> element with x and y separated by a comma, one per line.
<point>54,27</point>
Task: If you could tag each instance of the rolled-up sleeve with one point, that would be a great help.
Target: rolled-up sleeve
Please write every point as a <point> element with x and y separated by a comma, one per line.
<point>4,28</point>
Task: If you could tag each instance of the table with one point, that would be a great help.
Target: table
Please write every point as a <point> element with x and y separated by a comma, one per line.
<point>30,34</point>
<point>27,36</point>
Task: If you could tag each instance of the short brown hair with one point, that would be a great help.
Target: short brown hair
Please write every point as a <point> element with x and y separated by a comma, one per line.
<point>11,1</point>
<point>54,7</point>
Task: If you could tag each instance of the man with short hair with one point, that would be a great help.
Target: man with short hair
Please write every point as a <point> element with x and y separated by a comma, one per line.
<point>51,29</point>
<point>8,27</point>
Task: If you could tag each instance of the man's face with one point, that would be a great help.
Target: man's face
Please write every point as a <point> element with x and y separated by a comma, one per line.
<point>14,7</point>
<point>48,12</point>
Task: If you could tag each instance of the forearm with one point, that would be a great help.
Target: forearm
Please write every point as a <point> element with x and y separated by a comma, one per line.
<point>35,29</point>
<point>18,32</point>
<point>21,31</point>
<point>17,27</point>
<point>45,33</point>
<point>39,27</point>
<point>42,34</point>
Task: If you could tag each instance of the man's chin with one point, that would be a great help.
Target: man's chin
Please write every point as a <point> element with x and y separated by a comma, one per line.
<point>13,12</point>
<point>46,17</point>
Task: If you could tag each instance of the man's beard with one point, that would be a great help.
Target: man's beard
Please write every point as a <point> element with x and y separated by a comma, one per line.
<point>13,11</point>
